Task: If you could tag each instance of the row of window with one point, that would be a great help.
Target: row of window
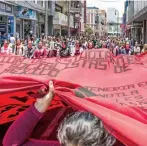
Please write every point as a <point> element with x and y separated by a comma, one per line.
<point>139,5</point>
<point>135,7</point>
<point>42,3</point>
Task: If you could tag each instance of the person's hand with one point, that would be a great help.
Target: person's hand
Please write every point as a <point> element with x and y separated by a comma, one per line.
<point>42,104</point>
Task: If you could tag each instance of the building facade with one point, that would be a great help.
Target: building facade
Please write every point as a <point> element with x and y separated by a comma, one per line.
<point>102,23</point>
<point>137,20</point>
<point>6,19</point>
<point>40,17</point>
<point>93,19</point>
<point>27,17</point>
<point>114,22</point>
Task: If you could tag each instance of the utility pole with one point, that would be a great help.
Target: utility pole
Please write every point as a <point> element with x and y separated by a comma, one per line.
<point>69,4</point>
<point>116,11</point>
<point>46,18</point>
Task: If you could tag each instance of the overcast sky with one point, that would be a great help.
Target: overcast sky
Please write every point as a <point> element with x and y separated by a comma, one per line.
<point>104,4</point>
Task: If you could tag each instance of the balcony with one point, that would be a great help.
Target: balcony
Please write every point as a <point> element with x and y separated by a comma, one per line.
<point>60,19</point>
<point>75,7</point>
<point>75,10</point>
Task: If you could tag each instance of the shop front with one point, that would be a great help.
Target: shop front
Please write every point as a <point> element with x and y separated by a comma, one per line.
<point>57,30</point>
<point>40,24</point>
<point>25,22</point>
<point>6,21</point>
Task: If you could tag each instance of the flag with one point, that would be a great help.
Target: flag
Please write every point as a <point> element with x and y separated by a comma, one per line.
<point>112,88</point>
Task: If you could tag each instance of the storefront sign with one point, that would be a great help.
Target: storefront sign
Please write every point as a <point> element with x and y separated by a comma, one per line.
<point>5,8</point>
<point>25,13</point>
<point>3,27</point>
<point>137,24</point>
<point>3,24</point>
<point>75,10</point>
<point>11,25</point>
<point>71,21</point>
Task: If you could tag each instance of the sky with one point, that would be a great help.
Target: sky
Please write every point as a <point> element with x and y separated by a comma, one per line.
<point>104,4</point>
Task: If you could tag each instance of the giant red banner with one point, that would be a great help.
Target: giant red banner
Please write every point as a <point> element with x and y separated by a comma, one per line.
<point>112,88</point>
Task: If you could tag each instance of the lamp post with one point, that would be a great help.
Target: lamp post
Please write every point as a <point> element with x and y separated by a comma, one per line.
<point>69,4</point>
<point>46,18</point>
<point>117,13</point>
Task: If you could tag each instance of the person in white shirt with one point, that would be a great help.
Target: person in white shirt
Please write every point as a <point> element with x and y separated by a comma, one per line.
<point>6,49</point>
<point>136,49</point>
<point>12,41</point>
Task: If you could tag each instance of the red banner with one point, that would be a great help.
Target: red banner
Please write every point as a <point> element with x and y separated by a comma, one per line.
<point>112,88</point>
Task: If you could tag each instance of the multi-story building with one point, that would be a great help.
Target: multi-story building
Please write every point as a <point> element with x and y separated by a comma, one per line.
<point>39,17</point>
<point>93,19</point>
<point>136,18</point>
<point>113,22</point>
<point>23,17</point>
<point>102,22</point>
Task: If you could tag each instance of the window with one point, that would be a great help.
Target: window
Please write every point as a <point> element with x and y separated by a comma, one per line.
<point>49,4</point>
<point>40,3</point>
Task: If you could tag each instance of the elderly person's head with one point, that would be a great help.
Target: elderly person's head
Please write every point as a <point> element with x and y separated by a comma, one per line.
<point>30,44</point>
<point>145,48</point>
<point>136,44</point>
<point>6,43</point>
<point>40,45</point>
<point>84,129</point>
<point>18,42</point>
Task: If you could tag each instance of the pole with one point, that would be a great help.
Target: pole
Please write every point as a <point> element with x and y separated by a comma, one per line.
<point>69,17</point>
<point>46,18</point>
<point>117,21</point>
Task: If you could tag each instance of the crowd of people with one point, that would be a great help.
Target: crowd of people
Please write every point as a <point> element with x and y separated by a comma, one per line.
<point>68,132</point>
<point>50,46</point>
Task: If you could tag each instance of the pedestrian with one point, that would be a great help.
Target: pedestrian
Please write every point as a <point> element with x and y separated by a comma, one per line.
<point>40,51</point>
<point>136,49</point>
<point>6,49</point>
<point>19,49</point>
<point>12,41</point>
<point>29,50</point>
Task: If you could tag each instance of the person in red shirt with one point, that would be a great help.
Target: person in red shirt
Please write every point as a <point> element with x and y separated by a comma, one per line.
<point>78,129</point>
<point>40,52</point>
<point>90,45</point>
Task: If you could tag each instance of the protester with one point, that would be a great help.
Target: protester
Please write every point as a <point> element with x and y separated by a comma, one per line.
<point>29,50</point>
<point>136,49</point>
<point>19,49</point>
<point>12,41</point>
<point>40,52</point>
<point>59,46</point>
<point>6,49</point>
<point>128,47</point>
<point>78,129</point>
<point>144,48</point>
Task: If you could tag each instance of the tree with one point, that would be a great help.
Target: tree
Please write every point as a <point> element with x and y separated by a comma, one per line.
<point>88,30</point>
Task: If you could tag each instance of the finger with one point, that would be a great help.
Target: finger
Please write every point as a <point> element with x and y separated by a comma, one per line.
<point>51,86</point>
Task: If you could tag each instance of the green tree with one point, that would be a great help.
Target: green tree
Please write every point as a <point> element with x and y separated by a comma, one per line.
<point>88,30</point>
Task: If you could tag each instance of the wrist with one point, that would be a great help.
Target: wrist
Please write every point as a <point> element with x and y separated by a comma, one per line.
<point>40,107</point>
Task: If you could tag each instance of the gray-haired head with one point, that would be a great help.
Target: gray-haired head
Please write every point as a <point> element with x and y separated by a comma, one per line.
<point>84,129</point>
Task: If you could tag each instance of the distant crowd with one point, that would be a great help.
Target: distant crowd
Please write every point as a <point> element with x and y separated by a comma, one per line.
<point>52,46</point>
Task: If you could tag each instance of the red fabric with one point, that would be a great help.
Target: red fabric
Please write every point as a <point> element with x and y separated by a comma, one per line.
<point>112,88</point>
<point>90,45</point>
<point>40,53</point>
